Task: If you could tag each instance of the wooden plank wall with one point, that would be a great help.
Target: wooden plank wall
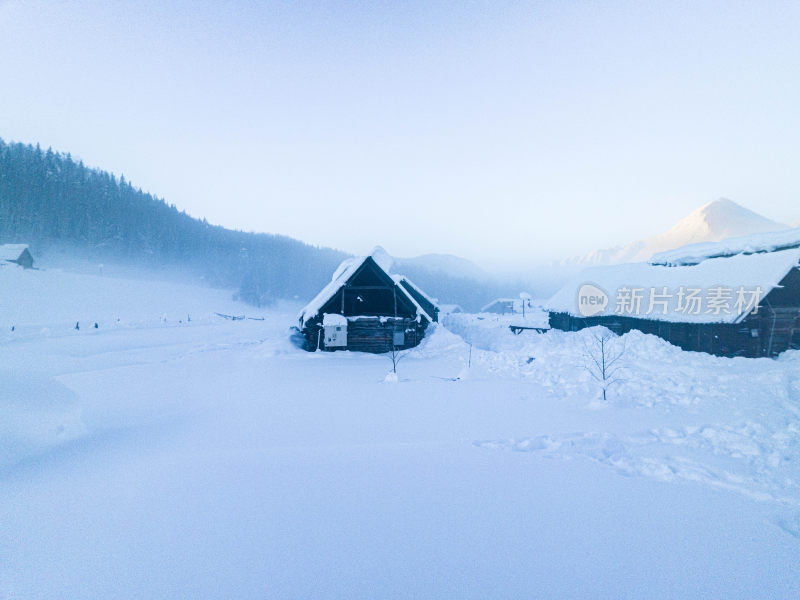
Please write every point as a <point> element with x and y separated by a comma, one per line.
<point>370,335</point>
<point>767,333</point>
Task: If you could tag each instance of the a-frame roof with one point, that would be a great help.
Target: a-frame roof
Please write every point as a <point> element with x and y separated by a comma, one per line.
<point>12,251</point>
<point>428,303</point>
<point>346,271</point>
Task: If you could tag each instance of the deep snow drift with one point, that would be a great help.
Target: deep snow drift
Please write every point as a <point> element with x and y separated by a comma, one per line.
<point>160,457</point>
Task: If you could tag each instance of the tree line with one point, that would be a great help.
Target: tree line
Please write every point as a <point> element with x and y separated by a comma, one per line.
<point>51,201</point>
<point>48,199</point>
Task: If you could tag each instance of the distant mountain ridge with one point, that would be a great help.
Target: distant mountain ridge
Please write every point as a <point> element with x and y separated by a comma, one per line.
<point>455,266</point>
<point>447,278</point>
<point>712,222</point>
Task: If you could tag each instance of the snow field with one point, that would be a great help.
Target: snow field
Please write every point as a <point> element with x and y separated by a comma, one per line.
<point>213,459</point>
<point>727,423</point>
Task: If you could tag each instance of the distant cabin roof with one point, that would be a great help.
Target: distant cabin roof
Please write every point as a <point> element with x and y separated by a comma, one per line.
<point>450,308</point>
<point>12,251</point>
<point>762,270</point>
<point>499,301</point>
<point>345,271</point>
<point>693,254</point>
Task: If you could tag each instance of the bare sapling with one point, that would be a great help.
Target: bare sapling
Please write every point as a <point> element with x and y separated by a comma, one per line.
<point>602,354</point>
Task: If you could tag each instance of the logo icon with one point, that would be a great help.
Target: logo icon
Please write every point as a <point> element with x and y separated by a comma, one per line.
<point>591,300</point>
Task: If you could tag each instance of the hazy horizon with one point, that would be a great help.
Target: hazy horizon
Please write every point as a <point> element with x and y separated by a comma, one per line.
<point>506,134</point>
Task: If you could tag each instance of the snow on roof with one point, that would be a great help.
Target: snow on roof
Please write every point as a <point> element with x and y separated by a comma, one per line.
<point>749,244</point>
<point>12,251</point>
<point>332,319</point>
<point>345,265</point>
<point>450,308</point>
<point>340,276</point>
<point>499,300</point>
<point>343,273</point>
<point>382,257</point>
<point>747,272</point>
<point>400,278</point>
<point>420,311</point>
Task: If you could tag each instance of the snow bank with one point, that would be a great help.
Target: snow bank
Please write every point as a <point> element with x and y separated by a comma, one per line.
<point>38,414</point>
<point>491,331</point>
<point>438,341</point>
<point>730,424</point>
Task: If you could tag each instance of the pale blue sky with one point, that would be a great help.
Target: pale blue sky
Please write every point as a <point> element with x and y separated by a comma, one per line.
<point>497,131</point>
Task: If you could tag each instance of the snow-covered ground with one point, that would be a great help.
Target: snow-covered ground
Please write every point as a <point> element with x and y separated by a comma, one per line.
<point>156,457</point>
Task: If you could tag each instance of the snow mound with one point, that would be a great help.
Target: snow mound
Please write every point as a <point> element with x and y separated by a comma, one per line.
<point>38,414</point>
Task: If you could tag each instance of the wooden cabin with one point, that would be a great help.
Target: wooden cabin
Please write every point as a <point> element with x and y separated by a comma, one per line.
<point>367,309</point>
<point>16,253</point>
<point>749,297</point>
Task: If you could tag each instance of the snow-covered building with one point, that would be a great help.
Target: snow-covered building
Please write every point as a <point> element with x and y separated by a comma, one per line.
<point>16,253</point>
<point>368,309</point>
<point>509,306</point>
<point>450,309</point>
<point>737,297</point>
<point>501,306</point>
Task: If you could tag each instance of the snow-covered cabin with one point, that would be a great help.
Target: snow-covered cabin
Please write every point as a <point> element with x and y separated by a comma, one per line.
<point>16,253</point>
<point>509,306</point>
<point>450,309</point>
<point>368,309</point>
<point>500,306</point>
<point>737,297</point>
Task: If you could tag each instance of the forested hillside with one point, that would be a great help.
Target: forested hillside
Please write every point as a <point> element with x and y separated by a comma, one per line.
<point>50,200</point>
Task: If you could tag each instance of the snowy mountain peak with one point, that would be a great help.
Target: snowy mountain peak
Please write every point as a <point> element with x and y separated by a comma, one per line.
<point>720,219</point>
<point>715,221</point>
